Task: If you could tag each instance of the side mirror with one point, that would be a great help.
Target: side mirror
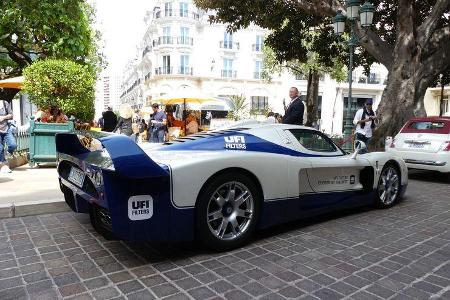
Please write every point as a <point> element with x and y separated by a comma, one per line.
<point>359,147</point>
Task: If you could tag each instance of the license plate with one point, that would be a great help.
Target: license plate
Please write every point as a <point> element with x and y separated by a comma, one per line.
<point>416,145</point>
<point>76,176</point>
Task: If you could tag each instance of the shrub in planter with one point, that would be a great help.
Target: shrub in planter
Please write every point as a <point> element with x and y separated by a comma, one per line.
<point>63,84</point>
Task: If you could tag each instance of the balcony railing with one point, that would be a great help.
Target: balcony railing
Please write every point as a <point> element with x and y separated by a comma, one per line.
<point>257,47</point>
<point>171,40</point>
<point>177,13</point>
<point>185,70</point>
<point>229,45</point>
<point>229,73</point>
<point>165,40</point>
<point>374,80</point>
<point>257,75</point>
<point>185,40</point>
<point>163,70</point>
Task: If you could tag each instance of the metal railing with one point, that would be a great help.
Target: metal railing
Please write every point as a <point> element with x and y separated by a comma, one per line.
<point>185,40</point>
<point>164,40</point>
<point>22,136</point>
<point>185,70</point>
<point>229,45</point>
<point>257,47</point>
<point>229,73</point>
<point>163,70</point>
<point>177,13</point>
<point>170,40</point>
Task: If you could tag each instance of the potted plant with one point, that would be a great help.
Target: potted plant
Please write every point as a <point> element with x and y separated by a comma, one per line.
<point>60,88</point>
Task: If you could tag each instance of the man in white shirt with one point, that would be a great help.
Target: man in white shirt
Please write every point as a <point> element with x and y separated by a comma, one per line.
<point>365,121</point>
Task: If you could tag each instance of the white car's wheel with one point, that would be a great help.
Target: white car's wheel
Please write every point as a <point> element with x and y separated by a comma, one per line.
<point>227,211</point>
<point>388,190</point>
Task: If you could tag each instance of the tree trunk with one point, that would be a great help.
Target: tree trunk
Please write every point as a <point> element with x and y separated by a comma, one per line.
<point>312,97</point>
<point>402,99</point>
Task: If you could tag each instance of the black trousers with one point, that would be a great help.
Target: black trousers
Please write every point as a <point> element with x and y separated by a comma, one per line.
<point>361,137</point>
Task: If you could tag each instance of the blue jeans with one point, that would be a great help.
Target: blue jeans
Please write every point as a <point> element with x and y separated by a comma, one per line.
<point>8,139</point>
<point>157,136</point>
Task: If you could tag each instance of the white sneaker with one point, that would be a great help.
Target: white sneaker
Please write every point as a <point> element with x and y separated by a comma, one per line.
<point>5,169</point>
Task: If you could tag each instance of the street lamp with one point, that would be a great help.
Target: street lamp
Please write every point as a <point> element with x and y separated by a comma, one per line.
<point>365,15</point>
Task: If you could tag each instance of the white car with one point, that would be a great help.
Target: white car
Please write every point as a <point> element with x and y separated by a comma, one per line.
<point>220,186</point>
<point>424,143</point>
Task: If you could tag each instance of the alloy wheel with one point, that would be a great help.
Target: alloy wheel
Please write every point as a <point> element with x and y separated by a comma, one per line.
<point>230,210</point>
<point>388,187</point>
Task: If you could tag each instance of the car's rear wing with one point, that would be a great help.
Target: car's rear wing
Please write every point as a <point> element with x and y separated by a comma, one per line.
<point>127,157</point>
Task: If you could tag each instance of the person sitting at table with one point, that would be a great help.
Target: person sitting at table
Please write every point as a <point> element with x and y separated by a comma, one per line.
<point>192,124</point>
<point>172,122</point>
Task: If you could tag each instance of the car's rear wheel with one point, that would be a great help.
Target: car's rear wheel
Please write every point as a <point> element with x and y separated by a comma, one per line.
<point>227,211</point>
<point>388,190</point>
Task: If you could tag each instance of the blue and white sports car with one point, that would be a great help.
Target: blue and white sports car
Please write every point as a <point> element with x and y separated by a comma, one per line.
<point>220,186</point>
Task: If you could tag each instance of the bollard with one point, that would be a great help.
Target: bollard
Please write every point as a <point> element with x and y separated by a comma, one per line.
<point>12,211</point>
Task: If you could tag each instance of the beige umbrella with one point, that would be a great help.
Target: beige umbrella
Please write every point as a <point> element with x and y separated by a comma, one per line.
<point>186,97</point>
<point>13,83</point>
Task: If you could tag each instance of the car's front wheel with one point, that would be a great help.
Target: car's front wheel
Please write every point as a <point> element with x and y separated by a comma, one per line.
<point>227,211</point>
<point>388,190</point>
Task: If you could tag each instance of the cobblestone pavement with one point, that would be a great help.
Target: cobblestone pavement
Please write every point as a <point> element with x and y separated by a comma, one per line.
<point>401,253</point>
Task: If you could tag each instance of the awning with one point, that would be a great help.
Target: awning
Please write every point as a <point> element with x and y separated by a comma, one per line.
<point>12,83</point>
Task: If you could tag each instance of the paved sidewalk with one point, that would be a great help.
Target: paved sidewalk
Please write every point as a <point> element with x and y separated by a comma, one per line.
<point>397,253</point>
<point>29,187</point>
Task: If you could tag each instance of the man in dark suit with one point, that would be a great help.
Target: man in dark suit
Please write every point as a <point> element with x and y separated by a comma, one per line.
<point>294,111</point>
<point>109,120</point>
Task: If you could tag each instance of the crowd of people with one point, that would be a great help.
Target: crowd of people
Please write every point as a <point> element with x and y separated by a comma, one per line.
<point>158,127</point>
<point>52,114</point>
<point>162,126</point>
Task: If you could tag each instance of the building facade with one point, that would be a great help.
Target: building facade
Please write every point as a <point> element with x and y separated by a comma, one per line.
<point>107,92</point>
<point>181,50</point>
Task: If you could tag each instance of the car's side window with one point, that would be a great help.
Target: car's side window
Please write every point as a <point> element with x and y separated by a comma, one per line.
<point>313,140</point>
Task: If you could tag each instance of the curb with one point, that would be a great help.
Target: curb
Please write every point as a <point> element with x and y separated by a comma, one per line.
<point>29,208</point>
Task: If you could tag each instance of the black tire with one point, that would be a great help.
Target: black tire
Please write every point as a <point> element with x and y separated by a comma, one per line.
<point>230,210</point>
<point>389,199</point>
<point>447,177</point>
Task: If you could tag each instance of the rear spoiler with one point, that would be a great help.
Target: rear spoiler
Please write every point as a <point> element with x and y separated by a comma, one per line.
<point>128,158</point>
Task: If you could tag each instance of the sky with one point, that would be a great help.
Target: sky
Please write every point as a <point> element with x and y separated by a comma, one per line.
<point>121,23</point>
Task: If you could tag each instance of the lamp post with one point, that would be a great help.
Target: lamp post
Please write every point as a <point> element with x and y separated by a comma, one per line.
<point>365,15</point>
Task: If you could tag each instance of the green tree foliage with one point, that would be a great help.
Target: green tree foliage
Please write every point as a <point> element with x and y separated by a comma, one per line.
<point>410,38</point>
<point>33,29</point>
<point>61,83</point>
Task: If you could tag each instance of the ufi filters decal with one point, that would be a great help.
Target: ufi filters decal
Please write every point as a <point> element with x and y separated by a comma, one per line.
<point>140,207</point>
<point>236,142</point>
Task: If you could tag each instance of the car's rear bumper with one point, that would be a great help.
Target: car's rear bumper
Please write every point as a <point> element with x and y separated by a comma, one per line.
<point>113,207</point>
<point>132,200</point>
<point>439,161</point>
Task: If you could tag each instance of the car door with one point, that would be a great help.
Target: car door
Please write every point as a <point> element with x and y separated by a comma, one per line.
<point>333,176</point>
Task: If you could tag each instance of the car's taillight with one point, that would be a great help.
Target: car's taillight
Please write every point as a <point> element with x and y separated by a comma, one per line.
<point>446,147</point>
